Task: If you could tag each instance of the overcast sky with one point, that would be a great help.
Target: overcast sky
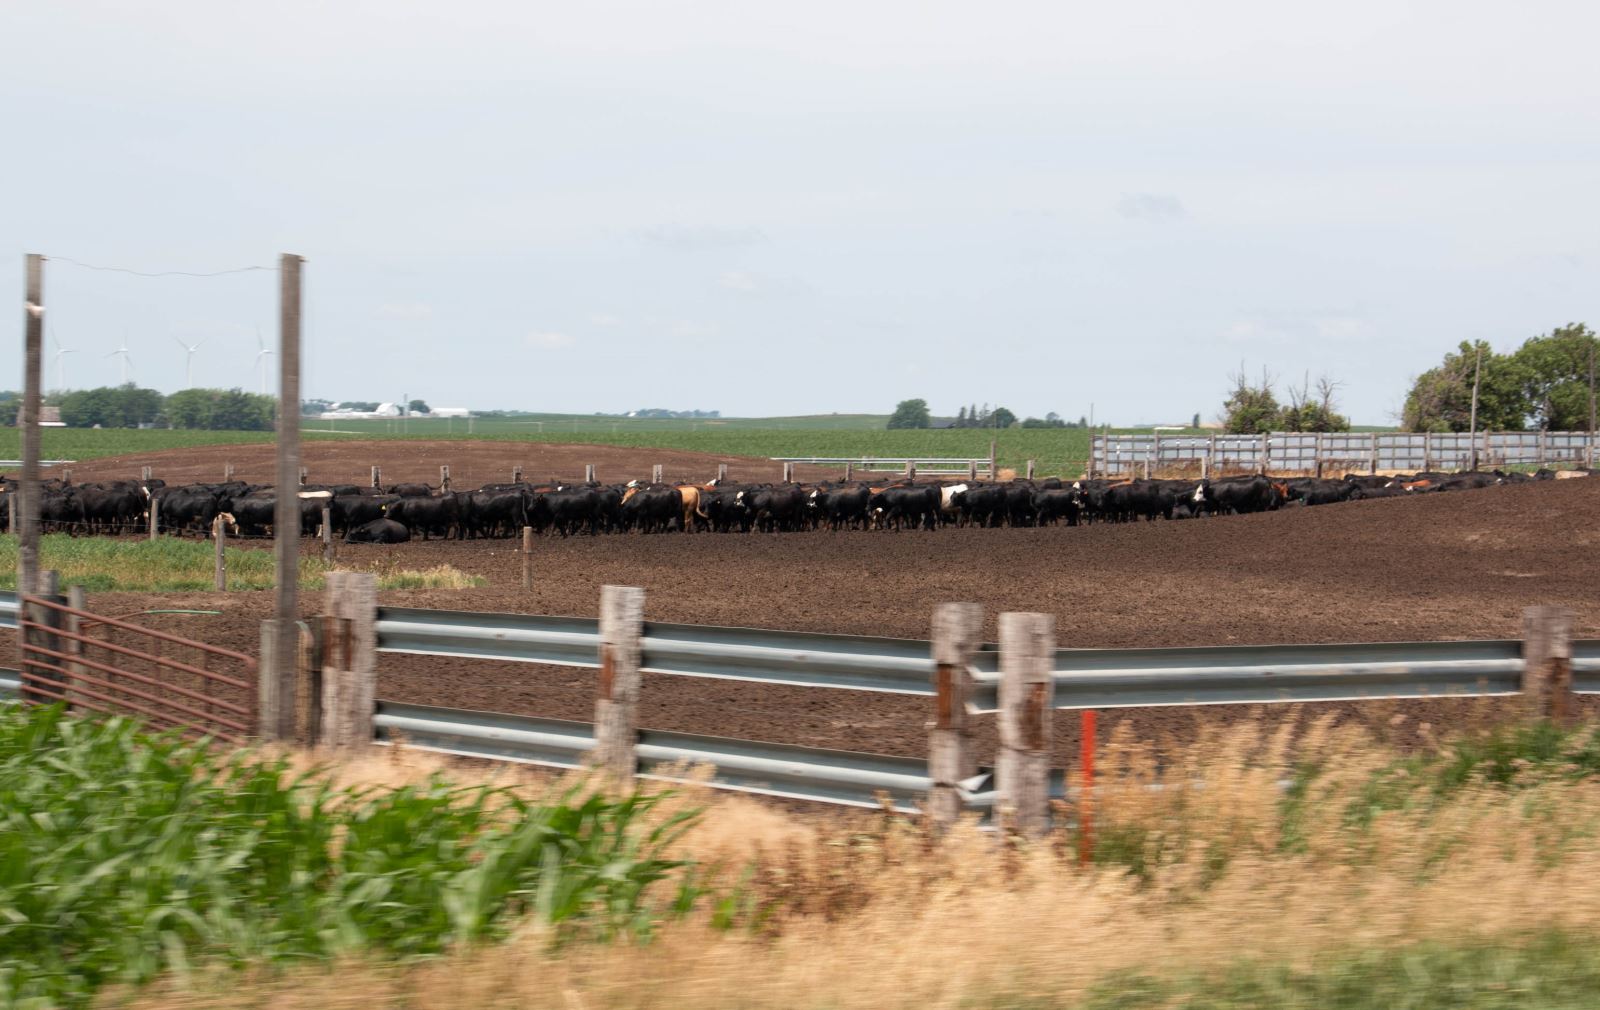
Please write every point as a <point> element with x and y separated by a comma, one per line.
<point>792,208</point>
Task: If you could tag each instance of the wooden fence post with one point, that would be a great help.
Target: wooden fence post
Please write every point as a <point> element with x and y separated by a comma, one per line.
<point>144,474</point>
<point>304,474</point>
<point>1265,458</point>
<point>349,659</point>
<point>911,469</point>
<point>1319,451</point>
<point>527,557</point>
<point>274,711</point>
<point>1207,461</point>
<point>1031,464</point>
<point>444,478</point>
<point>77,599</point>
<point>615,709</point>
<point>327,535</point>
<point>1153,468</point>
<point>1547,662</point>
<point>11,512</point>
<point>1022,766</point>
<point>655,473</point>
<point>788,473</point>
<point>377,476</point>
<point>972,470</point>
<point>1544,448</point>
<point>849,471</point>
<point>1427,451</point>
<point>950,759</point>
<point>227,472</point>
<point>1373,443</point>
<point>588,473</point>
<point>516,474</point>
<point>993,446</point>
<point>722,471</point>
<point>219,568</point>
<point>155,517</point>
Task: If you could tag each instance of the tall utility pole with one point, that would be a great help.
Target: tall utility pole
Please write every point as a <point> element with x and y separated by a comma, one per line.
<point>1590,460</point>
<point>286,515</point>
<point>28,419</point>
<point>1477,374</point>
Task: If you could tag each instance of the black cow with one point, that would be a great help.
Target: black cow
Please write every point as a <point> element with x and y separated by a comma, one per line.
<point>1245,494</point>
<point>378,531</point>
<point>911,506</point>
<point>843,506</point>
<point>653,509</point>
<point>1053,505</point>
<point>425,515</point>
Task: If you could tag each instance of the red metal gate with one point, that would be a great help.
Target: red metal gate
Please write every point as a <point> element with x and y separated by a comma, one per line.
<point>102,664</point>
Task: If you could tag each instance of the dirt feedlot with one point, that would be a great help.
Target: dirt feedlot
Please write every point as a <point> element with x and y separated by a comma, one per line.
<point>1460,565</point>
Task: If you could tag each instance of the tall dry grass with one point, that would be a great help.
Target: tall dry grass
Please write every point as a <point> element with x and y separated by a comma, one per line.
<point>1364,851</point>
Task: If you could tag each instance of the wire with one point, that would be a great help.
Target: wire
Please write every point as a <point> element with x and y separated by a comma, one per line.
<point>162,273</point>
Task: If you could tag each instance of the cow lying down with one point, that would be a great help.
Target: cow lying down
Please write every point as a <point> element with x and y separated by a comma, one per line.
<point>379,531</point>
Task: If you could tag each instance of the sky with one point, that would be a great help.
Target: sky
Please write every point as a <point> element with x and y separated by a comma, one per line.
<point>771,209</point>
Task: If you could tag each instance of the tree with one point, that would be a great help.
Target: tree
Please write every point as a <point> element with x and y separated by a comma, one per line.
<point>1441,398</point>
<point>1312,411</point>
<point>189,408</point>
<point>416,407</point>
<point>911,414</point>
<point>1250,410</point>
<point>1001,418</point>
<point>1554,369</point>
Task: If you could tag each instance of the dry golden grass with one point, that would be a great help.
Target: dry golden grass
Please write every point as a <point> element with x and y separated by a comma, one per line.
<point>852,911</point>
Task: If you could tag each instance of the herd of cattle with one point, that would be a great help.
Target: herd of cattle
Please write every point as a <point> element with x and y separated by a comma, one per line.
<point>398,513</point>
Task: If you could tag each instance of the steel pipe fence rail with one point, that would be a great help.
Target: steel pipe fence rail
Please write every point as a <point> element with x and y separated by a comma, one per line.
<point>779,770</point>
<point>9,609</point>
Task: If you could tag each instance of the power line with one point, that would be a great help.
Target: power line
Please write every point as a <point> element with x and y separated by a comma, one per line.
<point>162,273</point>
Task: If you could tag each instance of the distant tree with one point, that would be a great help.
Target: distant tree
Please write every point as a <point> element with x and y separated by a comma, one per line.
<point>189,408</point>
<point>961,418</point>
<point>417,407</point>
<point>360,406</point>
<point>1312,410</point>
<point>1554,369</point>
<point>1001,418</point>
<point>1441,398</point>
<point>1250,409</point>
<point>1052,416</point>
<point>911,414</point>
<point>1196,422</point>
<point>311,408</point>
<point>1050,421</point>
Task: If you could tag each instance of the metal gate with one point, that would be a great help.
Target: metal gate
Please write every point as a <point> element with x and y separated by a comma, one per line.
<point>102,664</point>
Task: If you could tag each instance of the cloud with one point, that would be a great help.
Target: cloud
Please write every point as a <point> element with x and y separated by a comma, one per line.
<point>689,329</point>
<point>1151,207</point>
<point>694,238</point>
<point>549,340</point>
<point>604,319</point>
<point>749,283</point>
<point>405,310</point>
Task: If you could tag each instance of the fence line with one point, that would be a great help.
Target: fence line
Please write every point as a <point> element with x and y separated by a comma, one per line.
<point>1339,451</point>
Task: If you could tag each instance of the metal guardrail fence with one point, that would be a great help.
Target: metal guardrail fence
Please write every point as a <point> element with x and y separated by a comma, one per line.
<point>9,609</point>
<point>927,466</point>
<point>780,770</point>
<point>1084,678</point>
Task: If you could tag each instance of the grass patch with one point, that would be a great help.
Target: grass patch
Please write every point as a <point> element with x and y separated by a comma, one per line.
<point>172,564</point>
<point>124,856</point>
<point>1549,971</point>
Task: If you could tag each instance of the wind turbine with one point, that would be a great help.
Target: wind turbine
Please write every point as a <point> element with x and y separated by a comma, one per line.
<point>261,357</point>
<point>189,362</point>
<point>123,352</point>
<point>61,366</point>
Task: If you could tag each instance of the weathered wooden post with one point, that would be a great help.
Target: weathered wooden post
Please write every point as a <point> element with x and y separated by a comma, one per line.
<point>219,566</point>
<point>588,473</point>
<point>1154,467</point>
<point>972,469</point>
<point>722,471</point>
<point>615,709</point>
<point>1031,465</point>
<point>227,472</point>
<point>516,474</point>
<point>444,478</point>
<point>377,476</point>
<point>1319,455</point>
<point>1373,446</point>
<point>1265,455</point>
<point>77,599</point>
<point>527,557</point>
<point>1022,766</point>
<point>849,471</point>
<point>1547,662</point>
<point>327,535</point>
<point>1209,459</point>
<point>349,659</point>
<point>910,472</point>
<point>11,512</point>
<point>1427,451</point>
<point>788,473</point>
<point>993,447</point>
<point>655,473</point>
<point>275,716</point>
<point>144,474</point>
<point>950,759</point>
<point>304,475</point>
<point>155,516</point>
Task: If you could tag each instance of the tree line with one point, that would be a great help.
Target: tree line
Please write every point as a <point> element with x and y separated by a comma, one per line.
<point>129,406</point>
<point>915,414</point>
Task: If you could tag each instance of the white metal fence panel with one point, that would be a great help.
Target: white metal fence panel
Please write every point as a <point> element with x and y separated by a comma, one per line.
<point>1341,452</point>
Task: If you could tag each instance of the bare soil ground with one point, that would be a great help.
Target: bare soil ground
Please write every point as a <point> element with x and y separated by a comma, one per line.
<point>1459,565</point>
